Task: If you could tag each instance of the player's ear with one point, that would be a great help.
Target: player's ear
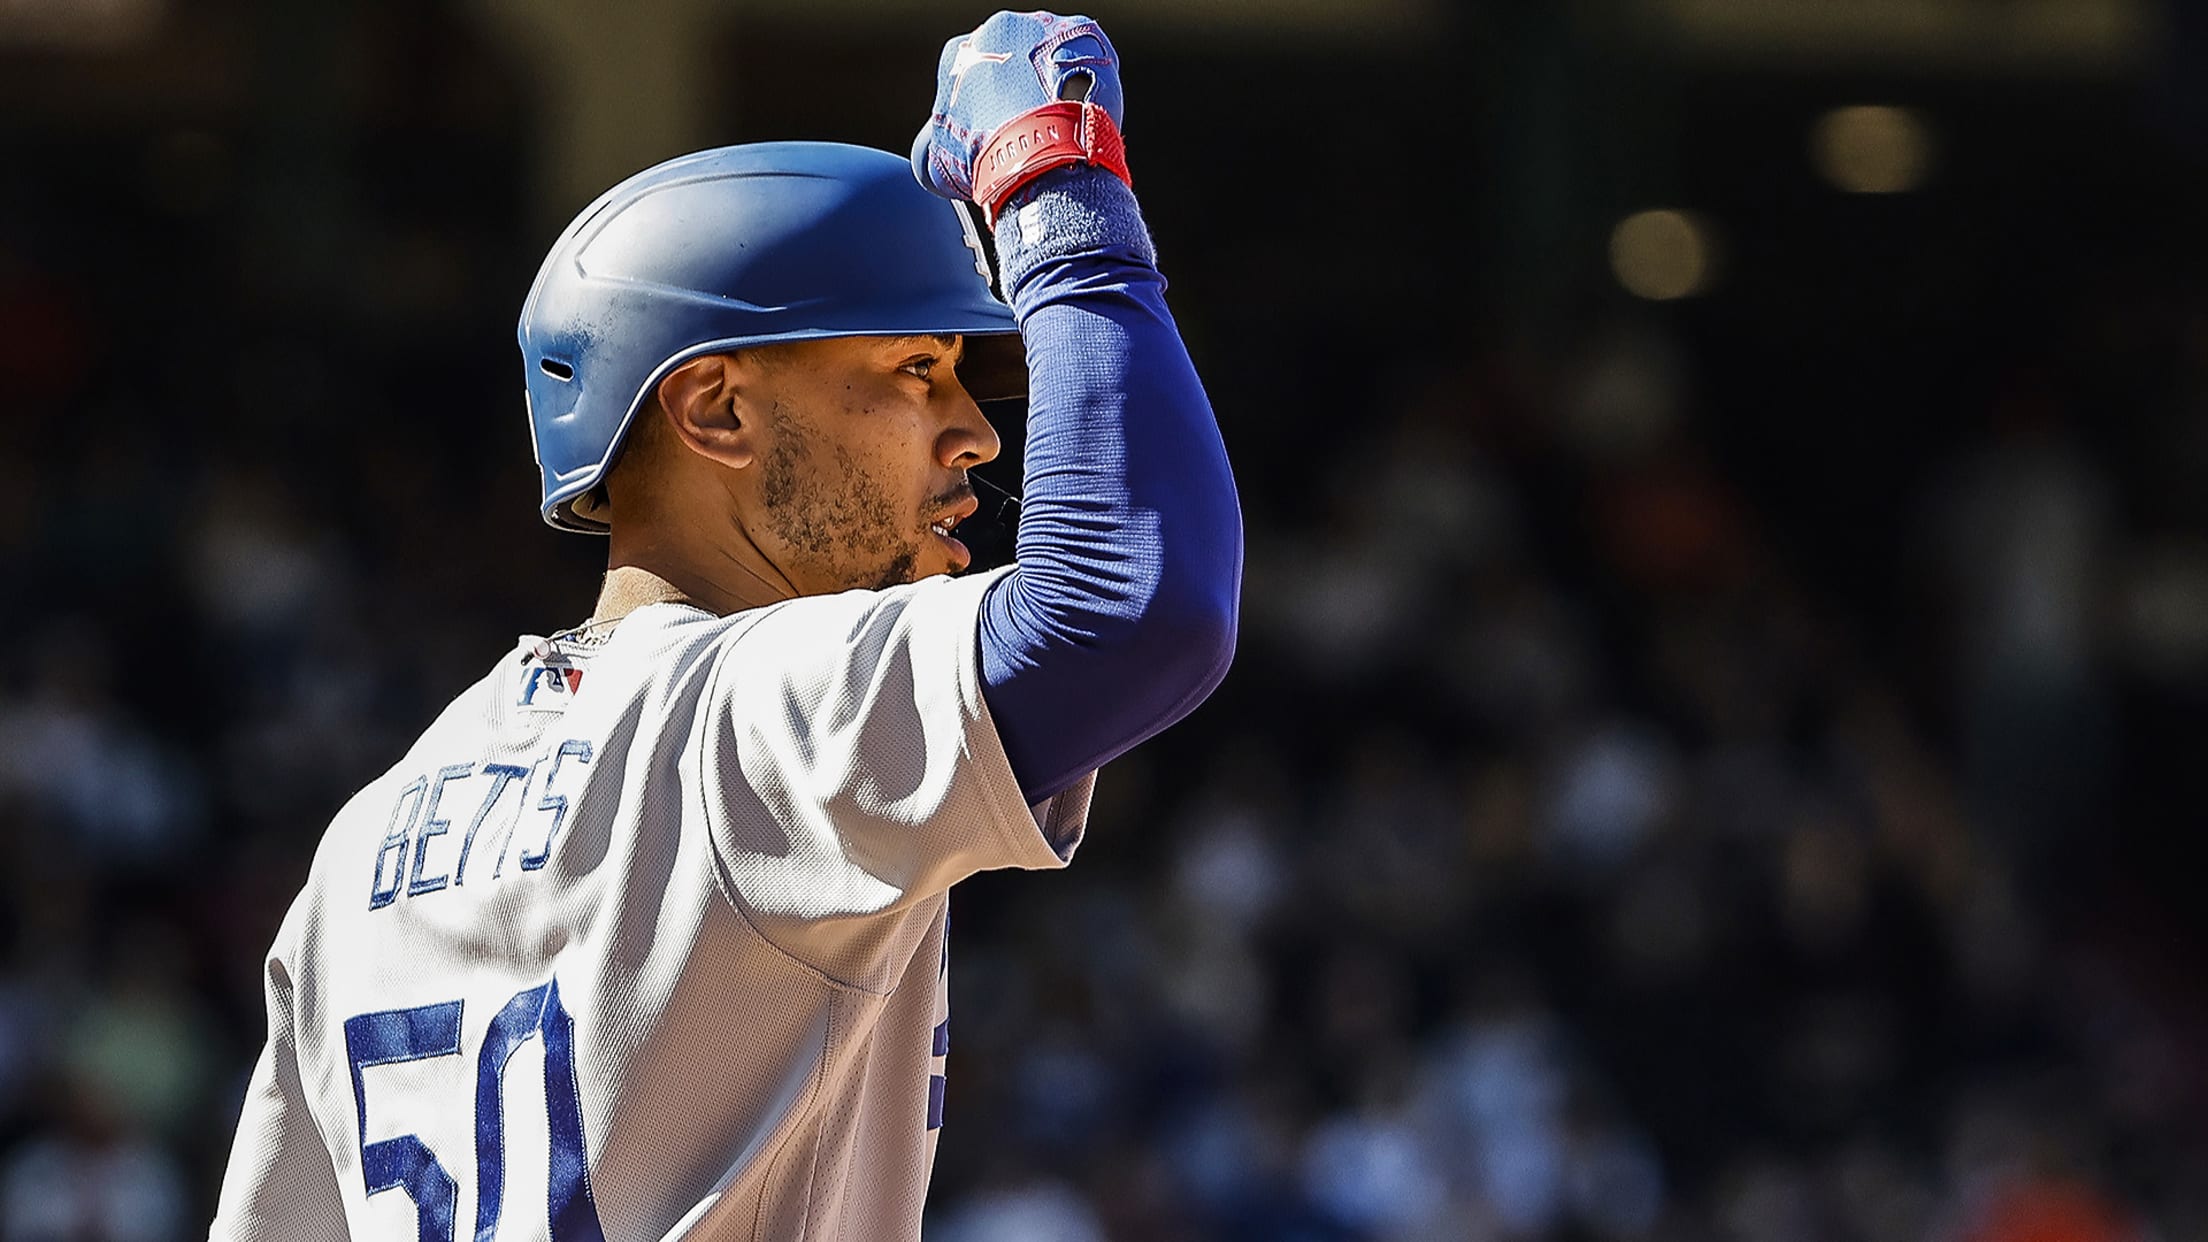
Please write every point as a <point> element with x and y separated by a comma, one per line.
<point>713,407</point>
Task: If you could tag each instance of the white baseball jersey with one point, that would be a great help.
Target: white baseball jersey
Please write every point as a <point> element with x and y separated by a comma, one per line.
<point>644,939</point>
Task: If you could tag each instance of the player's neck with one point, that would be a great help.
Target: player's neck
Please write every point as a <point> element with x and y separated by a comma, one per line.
<point>676,542</point>
<point>635,580</point>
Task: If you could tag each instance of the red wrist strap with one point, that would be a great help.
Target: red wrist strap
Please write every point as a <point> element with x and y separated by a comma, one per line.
<point>1040,139</point>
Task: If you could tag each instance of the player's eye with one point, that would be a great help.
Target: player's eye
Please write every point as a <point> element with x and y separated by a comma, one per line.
<point>921,367</point>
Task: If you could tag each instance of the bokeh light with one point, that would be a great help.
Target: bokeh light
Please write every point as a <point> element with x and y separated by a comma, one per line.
<point>1662,255</point>
<point>1867,149</point>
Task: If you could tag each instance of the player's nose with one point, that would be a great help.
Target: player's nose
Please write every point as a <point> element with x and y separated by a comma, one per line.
<point>967,438</point>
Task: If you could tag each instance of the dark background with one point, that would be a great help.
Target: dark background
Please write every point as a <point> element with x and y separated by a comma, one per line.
<point>1719,767</point>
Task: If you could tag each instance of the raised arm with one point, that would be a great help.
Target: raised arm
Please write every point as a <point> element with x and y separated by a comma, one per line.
<point>1120,615</point>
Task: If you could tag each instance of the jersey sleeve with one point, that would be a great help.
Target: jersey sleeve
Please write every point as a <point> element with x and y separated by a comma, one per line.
<point>855,769</point>
<point>281,1186</point>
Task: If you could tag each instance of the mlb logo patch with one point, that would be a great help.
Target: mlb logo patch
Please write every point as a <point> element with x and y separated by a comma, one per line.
<point>548,686</point>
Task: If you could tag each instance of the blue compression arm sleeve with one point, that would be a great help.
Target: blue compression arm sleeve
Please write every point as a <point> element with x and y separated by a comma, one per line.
<point>1120,615</point>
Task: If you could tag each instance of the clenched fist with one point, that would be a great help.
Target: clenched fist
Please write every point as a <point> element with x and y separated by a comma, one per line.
<point>1021,95</point>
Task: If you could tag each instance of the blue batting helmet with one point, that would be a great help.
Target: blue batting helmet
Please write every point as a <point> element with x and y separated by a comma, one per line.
<point>738,246</point>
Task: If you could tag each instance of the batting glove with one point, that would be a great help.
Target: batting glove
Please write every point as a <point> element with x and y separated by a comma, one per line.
<point>1021,95</point>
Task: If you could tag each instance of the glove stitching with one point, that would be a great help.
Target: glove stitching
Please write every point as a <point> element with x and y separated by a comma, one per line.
<point>954,149</point>
<point>952,174</point>
<point>1040,57</point>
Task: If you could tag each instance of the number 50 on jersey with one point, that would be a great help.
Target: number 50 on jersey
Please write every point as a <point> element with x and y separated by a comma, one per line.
<point>405,1162</point>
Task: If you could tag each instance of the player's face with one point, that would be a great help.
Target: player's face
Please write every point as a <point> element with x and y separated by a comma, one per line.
<point>862,470</point>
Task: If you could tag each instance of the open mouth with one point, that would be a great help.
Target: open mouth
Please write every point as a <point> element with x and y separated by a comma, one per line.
<point>947,523</point>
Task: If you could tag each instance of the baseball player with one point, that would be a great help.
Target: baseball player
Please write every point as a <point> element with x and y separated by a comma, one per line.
<point>644,938</point>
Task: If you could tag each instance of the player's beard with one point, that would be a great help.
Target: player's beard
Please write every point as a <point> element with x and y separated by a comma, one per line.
<point>841,520</point>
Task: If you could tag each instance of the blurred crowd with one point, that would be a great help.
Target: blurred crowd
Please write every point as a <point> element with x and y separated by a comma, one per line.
<point>1574,855</point>
<point>1564,865</point>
